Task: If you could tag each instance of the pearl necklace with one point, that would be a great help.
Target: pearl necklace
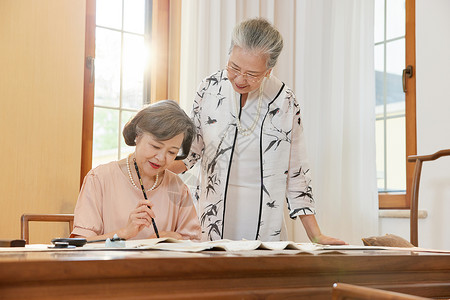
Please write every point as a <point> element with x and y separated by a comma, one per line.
<point>132,180</point>
<point>248,131</point>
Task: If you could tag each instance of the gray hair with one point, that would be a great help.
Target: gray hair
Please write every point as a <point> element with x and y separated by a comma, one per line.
<point>164,120</point>
<point>258,34</point>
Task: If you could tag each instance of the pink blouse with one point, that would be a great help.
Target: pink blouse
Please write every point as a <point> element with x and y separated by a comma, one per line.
<point>107,197</point>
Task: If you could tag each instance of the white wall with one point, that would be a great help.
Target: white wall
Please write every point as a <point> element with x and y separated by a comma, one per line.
<point>433,125</point>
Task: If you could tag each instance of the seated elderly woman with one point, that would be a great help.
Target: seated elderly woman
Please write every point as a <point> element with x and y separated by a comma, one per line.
<point>111,200</point>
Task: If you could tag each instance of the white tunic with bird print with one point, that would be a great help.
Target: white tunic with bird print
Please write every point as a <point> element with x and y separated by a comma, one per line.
<point>284,173</point>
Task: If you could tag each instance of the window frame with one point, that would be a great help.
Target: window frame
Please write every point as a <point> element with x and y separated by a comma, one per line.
<point>88,93</point>
<point>164,77</point>
<point>402,200</point>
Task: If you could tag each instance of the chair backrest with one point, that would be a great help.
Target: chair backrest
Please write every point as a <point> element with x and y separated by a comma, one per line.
<point>414,204</point>
<point>26,218</point>
<point>343,291</point>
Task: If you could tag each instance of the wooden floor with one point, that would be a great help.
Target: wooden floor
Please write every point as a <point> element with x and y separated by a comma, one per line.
<point>256,274</point>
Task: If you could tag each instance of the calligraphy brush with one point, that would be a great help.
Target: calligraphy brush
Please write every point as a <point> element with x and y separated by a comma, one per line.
<point>145,196</point>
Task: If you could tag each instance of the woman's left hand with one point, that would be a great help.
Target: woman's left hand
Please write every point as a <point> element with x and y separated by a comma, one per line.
<point>328,240</point>
<point>314,234</point>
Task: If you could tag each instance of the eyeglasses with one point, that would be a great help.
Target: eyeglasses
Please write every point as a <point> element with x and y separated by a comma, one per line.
<point>249,77</point>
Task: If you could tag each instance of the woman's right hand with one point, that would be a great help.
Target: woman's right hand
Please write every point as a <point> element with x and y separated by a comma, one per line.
<point>169,234</point>
<point>139,218</point>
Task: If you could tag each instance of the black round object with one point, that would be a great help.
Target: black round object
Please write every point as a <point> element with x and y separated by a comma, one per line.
<point>78,242</point>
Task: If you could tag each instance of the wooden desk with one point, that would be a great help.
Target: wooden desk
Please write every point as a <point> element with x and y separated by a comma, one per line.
<point>215,275</point>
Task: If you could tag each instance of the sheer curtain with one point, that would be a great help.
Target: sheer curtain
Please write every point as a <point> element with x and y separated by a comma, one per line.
<point>328,61</point>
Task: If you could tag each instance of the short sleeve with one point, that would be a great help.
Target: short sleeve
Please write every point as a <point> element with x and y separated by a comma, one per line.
<point>88,219</point>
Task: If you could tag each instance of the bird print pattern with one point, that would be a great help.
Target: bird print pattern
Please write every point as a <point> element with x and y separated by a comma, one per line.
<point>285,175</point>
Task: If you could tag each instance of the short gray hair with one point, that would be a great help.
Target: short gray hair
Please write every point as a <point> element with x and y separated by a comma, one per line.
<point>164,120</point>
<point>258,34</point>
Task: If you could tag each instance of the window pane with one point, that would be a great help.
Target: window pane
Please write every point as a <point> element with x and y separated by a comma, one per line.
<point>134,16</point>
<point>133,71</point>
<point>121,64</point>
<point>379,127</point>
<point>379,78</point>
<point>379,58</point>
<point>396,154</point>
<point>389,61</point>
<point>124,148</point>
<point>106,127</point>
<point>395,20</point>
<point>395,56</point>
<point>109,13</point>
<point>395,61</point>
<point>379,21</point>
<point>107,67</point>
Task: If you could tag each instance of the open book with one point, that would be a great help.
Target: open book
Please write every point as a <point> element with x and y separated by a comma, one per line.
<point>287,247</point>
<point>219,245</point>
<point>247,245</point>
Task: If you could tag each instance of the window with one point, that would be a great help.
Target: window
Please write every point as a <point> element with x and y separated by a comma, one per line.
<point>118,35</point>
<point>122,49</point>
<point>395,110</point>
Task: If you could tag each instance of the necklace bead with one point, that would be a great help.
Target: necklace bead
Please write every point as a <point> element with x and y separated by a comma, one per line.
<point>132,180</point>
<point>248,131</point>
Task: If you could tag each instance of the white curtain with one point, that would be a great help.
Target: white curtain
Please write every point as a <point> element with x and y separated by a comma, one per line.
<point>328,61</point>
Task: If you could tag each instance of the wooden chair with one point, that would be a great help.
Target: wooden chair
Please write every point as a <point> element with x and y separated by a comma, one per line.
<point>26,218</point>
<point>414,204</point>
<point>343,291</point>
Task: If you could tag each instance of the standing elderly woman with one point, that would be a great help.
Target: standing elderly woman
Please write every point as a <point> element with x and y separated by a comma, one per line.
<point>251,145</point>
<point>111,200</point>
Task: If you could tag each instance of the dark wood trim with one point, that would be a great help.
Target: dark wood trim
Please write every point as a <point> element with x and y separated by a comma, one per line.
<point>344,291</point>
<point>418,160</point>
<point>160,50</point>
<point>410,97</point>
<point>173,88</point>
<point>88,93</point>
<point>402,201</point>
<point>27,218</point>
<point>392,201</point>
